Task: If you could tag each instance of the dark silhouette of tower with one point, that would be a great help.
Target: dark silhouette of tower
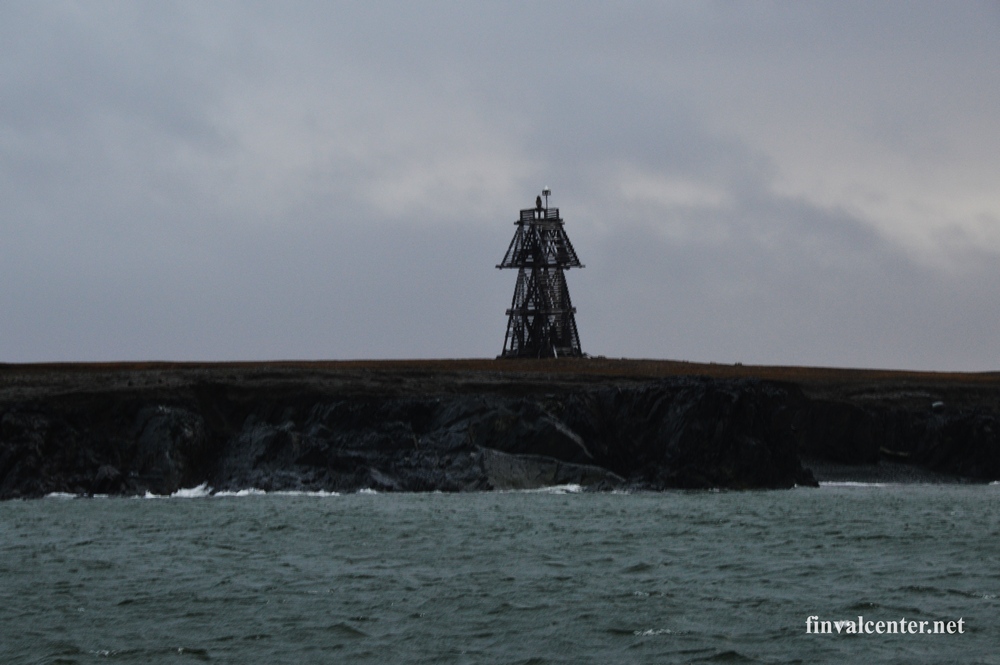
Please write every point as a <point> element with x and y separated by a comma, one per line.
<point>542,321</point>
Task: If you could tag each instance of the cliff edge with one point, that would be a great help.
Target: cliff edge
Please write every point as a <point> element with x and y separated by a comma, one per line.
<point>129,428</point>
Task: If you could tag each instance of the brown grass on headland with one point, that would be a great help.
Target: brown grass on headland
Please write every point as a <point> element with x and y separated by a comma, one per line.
<point>592,367</point>
<point>19,382</point>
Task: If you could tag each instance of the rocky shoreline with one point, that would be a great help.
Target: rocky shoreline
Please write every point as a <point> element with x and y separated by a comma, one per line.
<point>128,429</point>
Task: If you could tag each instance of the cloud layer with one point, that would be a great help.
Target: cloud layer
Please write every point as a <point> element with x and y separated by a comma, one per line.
<point>808,183</point>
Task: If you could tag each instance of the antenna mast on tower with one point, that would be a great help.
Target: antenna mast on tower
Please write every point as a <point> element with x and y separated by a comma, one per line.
<point>542,321</point>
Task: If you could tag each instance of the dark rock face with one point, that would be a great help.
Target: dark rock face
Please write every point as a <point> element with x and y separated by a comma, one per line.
<point>692,434</point>
<point>964,443</point>
<point>674,433</point>
<point>169,443</point>
<point>838,431</point>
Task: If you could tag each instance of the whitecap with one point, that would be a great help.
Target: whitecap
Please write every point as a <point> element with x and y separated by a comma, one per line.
<point>850,483</point>
<point>253,491</point>
<point>650,632</point>
<point>198,492</point>
<point>367,490</point>
<point>60,495</point>
<point>556,489</point>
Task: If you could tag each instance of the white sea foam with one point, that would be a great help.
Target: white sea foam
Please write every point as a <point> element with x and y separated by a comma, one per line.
<point>851,483</point>
<point>367,490</point>
<point>198,492</point>
<point>553,489</point>
<point>253,491</point>
<point>647,633</point>
<point>205,490</point>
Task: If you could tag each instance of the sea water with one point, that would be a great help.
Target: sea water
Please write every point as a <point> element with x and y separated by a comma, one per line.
<point>530,577</point>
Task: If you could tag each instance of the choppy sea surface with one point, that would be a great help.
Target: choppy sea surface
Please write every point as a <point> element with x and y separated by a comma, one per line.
<point>525,577</point>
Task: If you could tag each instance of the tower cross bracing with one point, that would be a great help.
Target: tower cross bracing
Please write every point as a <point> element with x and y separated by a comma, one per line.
<point>542,321</point>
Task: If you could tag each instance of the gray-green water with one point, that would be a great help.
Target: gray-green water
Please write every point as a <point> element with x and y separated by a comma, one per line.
<point>501,577</point>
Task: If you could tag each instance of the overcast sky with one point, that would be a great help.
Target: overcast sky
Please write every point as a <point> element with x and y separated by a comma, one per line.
<point>771,183</point>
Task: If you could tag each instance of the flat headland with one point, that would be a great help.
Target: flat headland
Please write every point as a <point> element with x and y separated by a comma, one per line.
<point>480,424</point>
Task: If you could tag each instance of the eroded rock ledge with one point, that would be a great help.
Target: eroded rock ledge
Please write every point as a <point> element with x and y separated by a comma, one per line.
<point>117,430</point>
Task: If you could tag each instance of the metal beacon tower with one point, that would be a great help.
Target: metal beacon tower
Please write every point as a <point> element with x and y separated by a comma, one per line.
<point>542,321</point>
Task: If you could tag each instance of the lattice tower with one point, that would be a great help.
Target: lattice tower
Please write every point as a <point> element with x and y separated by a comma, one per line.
<point>542,321</point>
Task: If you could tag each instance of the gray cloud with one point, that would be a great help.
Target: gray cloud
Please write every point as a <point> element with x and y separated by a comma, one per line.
<point>769,183</point>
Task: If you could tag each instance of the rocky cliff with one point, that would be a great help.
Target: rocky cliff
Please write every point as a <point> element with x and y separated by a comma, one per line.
<point>129,430</point>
